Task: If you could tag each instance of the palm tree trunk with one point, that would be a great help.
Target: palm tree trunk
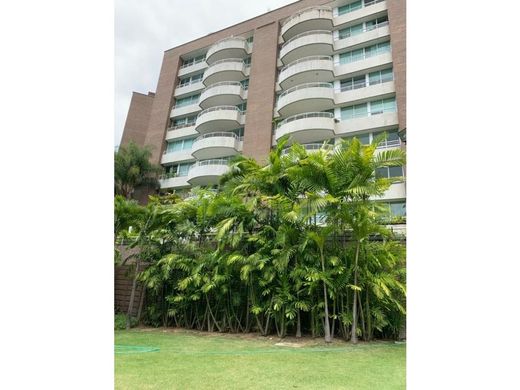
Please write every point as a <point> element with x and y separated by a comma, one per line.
<point>132,296</point>
<point>353,337</point>
<point>326,325</point>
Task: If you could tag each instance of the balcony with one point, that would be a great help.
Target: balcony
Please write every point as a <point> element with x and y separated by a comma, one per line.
<point>375,9</point>
<point>220,118</point>
<point>312,18</point>
<point>177,156</point>
<point>307,128</point>
<point>366,64</point>
<point>207,172</point>
<point>180,131</point>
<point>307,70</point>
<point>223,93</point>
<point>363,93</point>
<point>311,148</point>
<point>168,181</point>
<point>184,110</point>
<point>232,47</point>
<point>378,122</point>
<point>370,35</point>
<point>215,145</point>
<point>188,89</point>
<point>305,98</point>
<point>232,69</point>
<point>186,70</point>
<point>396,191</point>
<point>311,43</point>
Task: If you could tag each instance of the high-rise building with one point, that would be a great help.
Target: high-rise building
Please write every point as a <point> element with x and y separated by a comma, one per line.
<point>315,70</point>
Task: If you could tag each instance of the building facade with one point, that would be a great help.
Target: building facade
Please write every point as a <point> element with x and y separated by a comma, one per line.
<point>318,71</point>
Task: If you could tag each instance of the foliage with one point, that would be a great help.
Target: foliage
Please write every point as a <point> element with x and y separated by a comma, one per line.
<point>120,321</point>
<point>298,245</point>
<point>132,168</point>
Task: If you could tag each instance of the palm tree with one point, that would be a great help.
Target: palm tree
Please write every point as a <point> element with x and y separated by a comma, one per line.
<point>132,168</point>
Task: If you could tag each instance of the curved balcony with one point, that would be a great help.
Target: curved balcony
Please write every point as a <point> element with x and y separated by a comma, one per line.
<point>307,128</point>
<point>305,98</point>
<point>223,93</point>
<point>207,172</point>
<point>220,118</point>
<point>229,69</point>
<point>307,70</point>
<point>312,18</point>
<point>311,43</point>
<point>232,47</point>
<point>215,145</point>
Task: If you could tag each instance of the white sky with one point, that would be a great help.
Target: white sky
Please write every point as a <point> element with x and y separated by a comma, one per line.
<point>145,29</point>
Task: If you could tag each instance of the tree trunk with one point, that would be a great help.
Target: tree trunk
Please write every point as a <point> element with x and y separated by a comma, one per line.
<point>353,337</point>
<point>132,295</point>
<point>298,325</point>
<point>326,326</point>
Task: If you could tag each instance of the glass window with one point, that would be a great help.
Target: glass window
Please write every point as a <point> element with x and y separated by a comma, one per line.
<point>183,169</point>
<point>187,101</point>
<point>398,209</point>
<point>242,107</point>
<point>186,145</point>
<point>389,105</point>
<point>376,107</point>
<point>247,61</point>
<point>351,31</point>
<point>392,139</point>
<point>353,83</point>
<point>245,83</point>
<point>395,171</point>
<point>349,7</point>
<point>381,76</point>
<point>382,173</point>
<point>359,110</point>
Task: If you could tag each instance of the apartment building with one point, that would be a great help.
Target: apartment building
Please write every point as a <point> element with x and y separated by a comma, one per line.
<point>318,71</point>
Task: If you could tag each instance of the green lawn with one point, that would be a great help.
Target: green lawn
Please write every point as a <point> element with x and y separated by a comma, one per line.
<point>191,360</point>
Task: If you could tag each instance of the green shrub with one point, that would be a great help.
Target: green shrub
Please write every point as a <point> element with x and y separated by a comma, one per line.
<point>120,321</point>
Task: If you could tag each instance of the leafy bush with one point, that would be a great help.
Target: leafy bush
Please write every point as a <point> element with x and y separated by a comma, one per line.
<point>120,322</point>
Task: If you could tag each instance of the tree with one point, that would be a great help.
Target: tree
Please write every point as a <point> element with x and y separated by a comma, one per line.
<point>132,168</point>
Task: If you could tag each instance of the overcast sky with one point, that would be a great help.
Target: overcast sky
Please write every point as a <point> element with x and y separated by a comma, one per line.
<point>145,29</point>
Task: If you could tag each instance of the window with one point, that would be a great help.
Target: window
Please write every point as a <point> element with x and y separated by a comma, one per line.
<point>353,83</point>
<point>366,52</point>
<point>176,146</point>
<point>239,132</point>
<point>357,111</point>
<point>187,101</point>
<point>250,40</point>
<point>184,122</point>
<point>389,172</point>
<point>379,22</point>
<point>392,139</point>
<point>381,76</point>
<point>371,2</point>
<point>377,49</point>
<point>351,31</point>
<point>190,80</point>
<point>350,7</point>
<point>383,106</point>
<point>351,56</point>
<point>247,61</point>
<point>183,169</point>
<point>242,107</point>
<point>397,209</point>
<point>245,83</point>
<point>192,61</point>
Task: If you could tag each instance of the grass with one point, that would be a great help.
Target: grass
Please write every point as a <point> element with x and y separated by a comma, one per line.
<point>192,360</point>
